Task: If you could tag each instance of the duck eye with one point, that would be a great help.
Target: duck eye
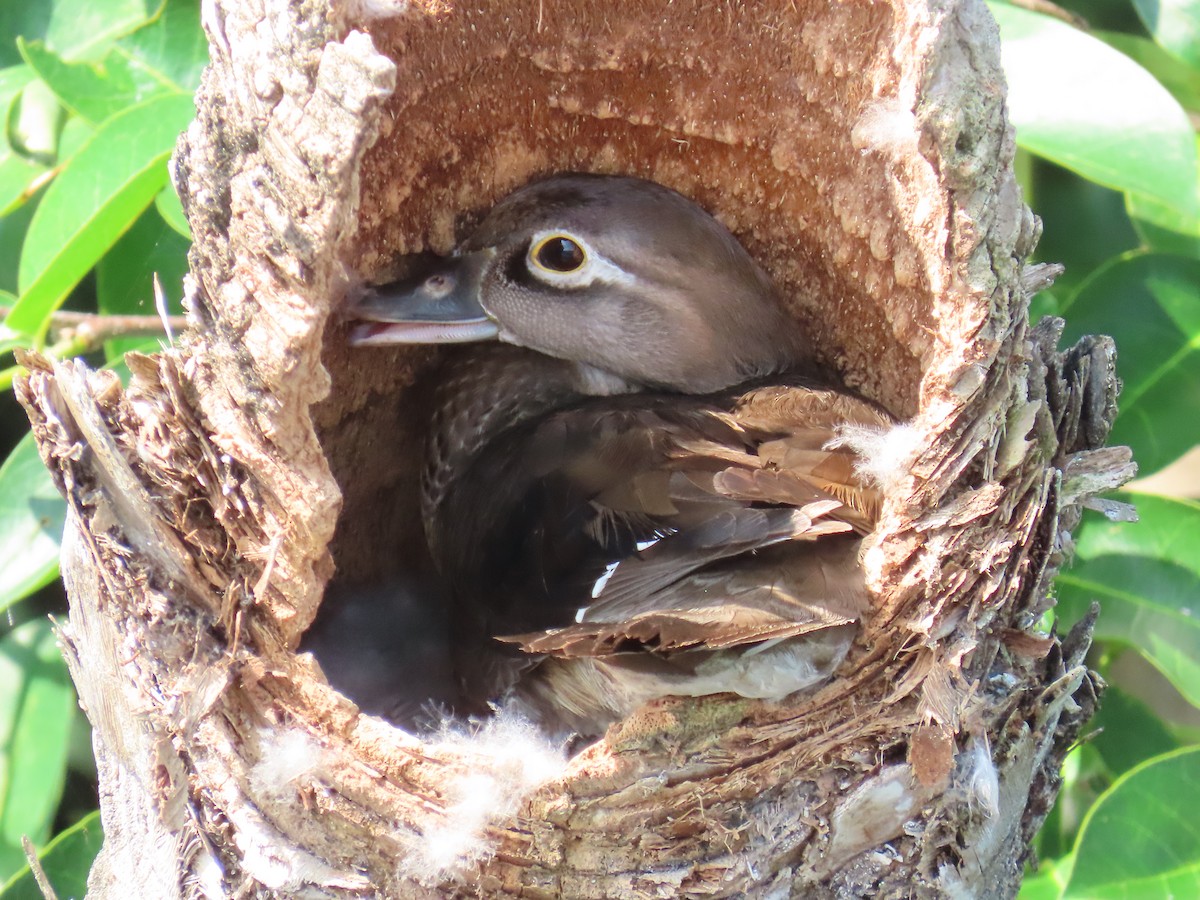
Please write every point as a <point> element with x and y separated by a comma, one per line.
<point>558,253</point>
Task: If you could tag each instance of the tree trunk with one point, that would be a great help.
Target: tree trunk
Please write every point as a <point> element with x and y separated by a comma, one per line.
<point>861,152</point>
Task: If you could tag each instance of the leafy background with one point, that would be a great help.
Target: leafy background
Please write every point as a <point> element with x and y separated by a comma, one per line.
<point>1106,98</point>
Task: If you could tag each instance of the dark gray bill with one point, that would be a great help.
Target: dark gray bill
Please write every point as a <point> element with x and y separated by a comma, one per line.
<point>437,304</point>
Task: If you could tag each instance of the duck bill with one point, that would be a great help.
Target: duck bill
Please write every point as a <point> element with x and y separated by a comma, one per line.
<point>437,304</point>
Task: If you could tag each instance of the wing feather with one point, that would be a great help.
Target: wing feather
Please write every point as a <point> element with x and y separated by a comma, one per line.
<point>718,522</point>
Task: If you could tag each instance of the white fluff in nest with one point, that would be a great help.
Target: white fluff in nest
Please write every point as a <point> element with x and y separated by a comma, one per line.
<point>980,780</point>
<point>370,10</point>
<point>207,878</point>
<point>977,782</point>
<point>886,126</point>
<point>505,759</point>
<point>286,757</point>
<point>884,455</point>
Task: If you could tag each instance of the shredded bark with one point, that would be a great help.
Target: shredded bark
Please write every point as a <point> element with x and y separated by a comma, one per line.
<point>861,152</point>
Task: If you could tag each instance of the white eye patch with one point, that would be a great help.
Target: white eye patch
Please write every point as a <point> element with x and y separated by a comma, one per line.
<point>564,260</point>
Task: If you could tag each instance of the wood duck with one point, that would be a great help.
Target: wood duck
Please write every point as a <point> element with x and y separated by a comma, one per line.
<point>638,491</point>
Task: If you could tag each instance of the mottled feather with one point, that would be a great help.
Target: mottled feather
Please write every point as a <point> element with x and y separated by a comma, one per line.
<point>720,521</point>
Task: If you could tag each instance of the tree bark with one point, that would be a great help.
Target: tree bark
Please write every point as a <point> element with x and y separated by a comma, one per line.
<point>861,152</point>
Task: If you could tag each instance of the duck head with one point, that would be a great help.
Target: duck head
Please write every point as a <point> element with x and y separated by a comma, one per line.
<point>619,274</point>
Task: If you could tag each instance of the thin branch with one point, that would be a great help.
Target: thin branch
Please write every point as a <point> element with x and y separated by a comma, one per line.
<point>1053,9</point>
<point>93,329</point>
<point>35,866</point>
<point>76,333</point>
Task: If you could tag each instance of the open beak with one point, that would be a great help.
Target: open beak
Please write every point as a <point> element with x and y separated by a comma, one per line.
<point>437,304</point>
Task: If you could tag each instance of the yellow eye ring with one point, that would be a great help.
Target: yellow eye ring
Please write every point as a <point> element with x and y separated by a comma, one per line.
<point>558,253</point>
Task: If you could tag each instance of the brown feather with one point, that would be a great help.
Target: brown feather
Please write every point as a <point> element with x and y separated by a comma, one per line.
<point>748,526</point>
<point>774,595</point>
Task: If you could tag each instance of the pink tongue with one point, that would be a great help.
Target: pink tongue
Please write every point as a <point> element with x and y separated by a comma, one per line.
<point>378,333</point>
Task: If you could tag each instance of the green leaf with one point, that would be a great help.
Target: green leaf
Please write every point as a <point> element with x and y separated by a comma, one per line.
<point>37,706</point>
<point>76,132</point>
<point>1180,79</point>
<point>17,19</point>
<point>1076,101</point>
<point>32,515</point>
<point>1146,576</point>
<point>79,29</point>
<point>97,90</point>
<point>35,122</point>
<point>1131,732</point>
<point>75,29</point>
<point>173,44</point>
<point>13,80</point>
<point>1045,885</point>
<point>1142,838</point>
<point>125,277</point>
<point>98,195</point>
<point>1085,777</point>
<point>66,861</point>
<point>1151,303</point>
<point>1175,24</point>
<point>1162,228</point>
<point>17,174</point>
<point>1057,834</point>
<point>1044,303</point>
<point>164,56</point>
<point>171,210</point>
<point>1063,200</point>
<point>1113,15</point>
<point>12,235</point>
